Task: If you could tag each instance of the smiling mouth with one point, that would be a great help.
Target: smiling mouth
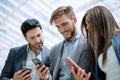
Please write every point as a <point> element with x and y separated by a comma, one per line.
<point>65,33</point>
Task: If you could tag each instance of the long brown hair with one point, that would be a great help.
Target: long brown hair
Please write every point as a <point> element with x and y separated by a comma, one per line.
<point>103,27</point>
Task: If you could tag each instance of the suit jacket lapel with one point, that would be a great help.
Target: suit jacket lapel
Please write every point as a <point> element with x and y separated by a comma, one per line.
<point>24,56</point>
<point>80,48</point>
<point>43,53</point>
<point>45,56</point>
<point>57,66</point>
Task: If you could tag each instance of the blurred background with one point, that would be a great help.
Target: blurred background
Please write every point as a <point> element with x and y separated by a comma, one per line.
<point>14,12</point>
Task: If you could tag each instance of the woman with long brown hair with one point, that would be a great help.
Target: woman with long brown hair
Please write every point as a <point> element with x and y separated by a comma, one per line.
<point>103,38</point>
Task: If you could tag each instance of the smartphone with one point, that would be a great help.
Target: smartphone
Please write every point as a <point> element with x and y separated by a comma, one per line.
<point>37,61</point>
<point>70,63</point>
<point>26,68</point>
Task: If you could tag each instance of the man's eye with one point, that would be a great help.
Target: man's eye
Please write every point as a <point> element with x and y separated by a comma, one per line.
<point>57,26</point>
<point>32,38</point>
<point>64,24</point>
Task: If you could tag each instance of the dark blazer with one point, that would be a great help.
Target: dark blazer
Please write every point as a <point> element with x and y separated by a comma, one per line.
<point>17,58</point>
<point>81,58</point>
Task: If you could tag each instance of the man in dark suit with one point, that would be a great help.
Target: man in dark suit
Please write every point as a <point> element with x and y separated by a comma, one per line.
<point>21,56</point>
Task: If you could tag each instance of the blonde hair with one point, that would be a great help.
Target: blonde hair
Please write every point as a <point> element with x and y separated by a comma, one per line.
<point>67,10</point>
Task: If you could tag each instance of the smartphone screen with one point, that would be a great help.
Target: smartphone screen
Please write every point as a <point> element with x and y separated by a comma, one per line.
<point>37,61</point>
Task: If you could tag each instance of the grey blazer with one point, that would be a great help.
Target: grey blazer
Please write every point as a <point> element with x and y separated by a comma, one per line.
<point>17,58</point>
<point>80,59</point>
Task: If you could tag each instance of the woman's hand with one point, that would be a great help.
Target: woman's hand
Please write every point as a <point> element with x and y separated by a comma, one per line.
<point>77,72</point>
<point>80,74</point>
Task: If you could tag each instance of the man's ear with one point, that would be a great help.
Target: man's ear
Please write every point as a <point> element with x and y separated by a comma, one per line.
<point>74,19</point>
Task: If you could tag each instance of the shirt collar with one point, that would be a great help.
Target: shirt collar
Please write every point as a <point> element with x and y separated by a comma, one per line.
<point>74,39</point>
<point>29,50</point>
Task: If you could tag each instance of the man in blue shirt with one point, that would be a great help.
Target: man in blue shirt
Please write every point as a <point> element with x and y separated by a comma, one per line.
<point>73,45</point>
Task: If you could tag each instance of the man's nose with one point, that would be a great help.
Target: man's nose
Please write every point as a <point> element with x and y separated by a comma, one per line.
<point>61,29</point>
<point>37,39</point>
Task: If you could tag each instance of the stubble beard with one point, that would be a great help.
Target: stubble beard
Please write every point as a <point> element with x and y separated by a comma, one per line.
<point>72,34</point>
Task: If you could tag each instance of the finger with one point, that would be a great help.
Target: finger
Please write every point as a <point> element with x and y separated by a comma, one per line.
<point>73,71</point>
<point>42,68</point>
<point>47,73</point>
<point>37,67</point>
<point>82,73</point>
<point>25,72</point>
<point>88,77</point>
<point>18,72</point>
<point>44,72</point>
<point>28,76</point>
<point>47,77</point>
<point>79,71</point>
<point>41,71</point>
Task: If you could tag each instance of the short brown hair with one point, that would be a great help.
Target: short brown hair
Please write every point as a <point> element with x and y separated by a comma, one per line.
<point>67,10</point>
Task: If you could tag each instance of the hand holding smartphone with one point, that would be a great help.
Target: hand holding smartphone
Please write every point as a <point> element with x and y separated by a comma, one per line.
<point>41,69</point>
<point>71,63</point>
<point>77,72</point>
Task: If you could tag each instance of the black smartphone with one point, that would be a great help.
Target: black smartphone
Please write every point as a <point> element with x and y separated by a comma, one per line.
<point>26,68</point>
<point>37,61</point>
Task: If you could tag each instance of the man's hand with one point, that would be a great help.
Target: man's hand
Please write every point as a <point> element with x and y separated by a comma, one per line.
<point>22,75</point>
<point>43,72</point>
